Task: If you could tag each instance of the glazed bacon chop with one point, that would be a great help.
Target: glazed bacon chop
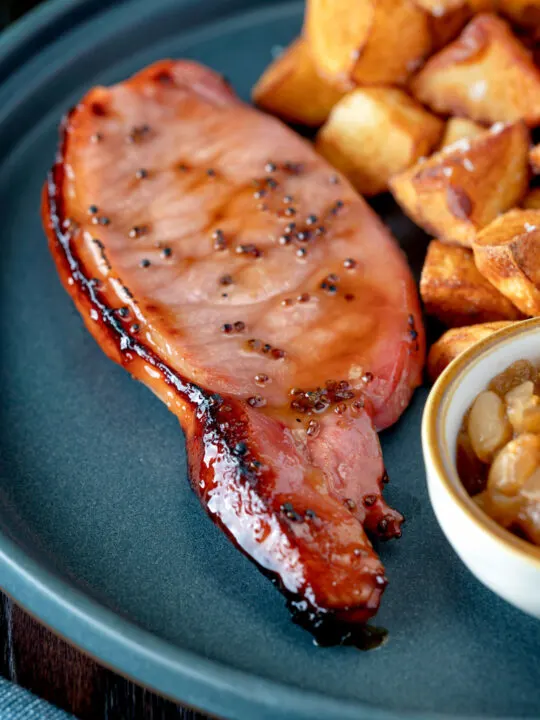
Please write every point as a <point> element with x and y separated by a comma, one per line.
<point>223,263</point>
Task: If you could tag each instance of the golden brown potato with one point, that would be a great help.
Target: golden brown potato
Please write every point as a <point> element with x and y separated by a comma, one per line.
<point>525,13</point>
<point>454,291</point>
<point>530,37</point>
<point>440,8</point>
<point>507,253</point>
<point>459,129</point>
<point>483,6</point>
<point>531,201</point>
<point>486,74</point>
<point>373,133</point>
<point>445,28</point>
<point>534,158</point>
<point>368,41</point>
<point>446,18</point>
<point>292,88</point>
<point>456,341</point>
<point>460,189</point>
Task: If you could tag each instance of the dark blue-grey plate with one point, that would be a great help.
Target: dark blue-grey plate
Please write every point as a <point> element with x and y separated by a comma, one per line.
<point>100,535</point>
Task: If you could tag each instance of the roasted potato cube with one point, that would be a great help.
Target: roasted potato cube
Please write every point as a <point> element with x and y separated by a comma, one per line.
<point>530,37</point>
<point>483,6</point>
<point>446,19</point>
<point>440,8</point>
<point>507,253</point>
<point>454,291</point>
<point>534,158</point>
<point>486,74</point>
<point>456,341</point>
<point>459,129</point>
<point>531,201</point>
<point>292,88</point>
<point>373,133</point>
<point>525,13</point>
<point>368,41</point>
<point>446,27</point>
<point>460,189</point>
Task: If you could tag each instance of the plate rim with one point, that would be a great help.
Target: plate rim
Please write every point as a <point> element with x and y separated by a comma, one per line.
<point>43,22</point>
<point>57,604</point>
<point>108,637</point>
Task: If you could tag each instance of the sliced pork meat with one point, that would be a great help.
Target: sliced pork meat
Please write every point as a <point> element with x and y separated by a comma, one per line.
<point>216,257</point>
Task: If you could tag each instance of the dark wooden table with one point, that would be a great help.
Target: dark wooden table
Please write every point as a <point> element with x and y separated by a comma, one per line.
<point>36,659</point>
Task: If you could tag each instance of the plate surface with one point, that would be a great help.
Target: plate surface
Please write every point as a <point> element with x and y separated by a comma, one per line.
<point>100,535</point>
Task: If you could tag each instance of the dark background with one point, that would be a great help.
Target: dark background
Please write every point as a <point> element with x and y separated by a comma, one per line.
<point>10,10</point>
<point>36,659</point>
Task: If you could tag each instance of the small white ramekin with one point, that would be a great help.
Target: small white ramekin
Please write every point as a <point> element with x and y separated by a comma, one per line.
<point>505,563</point>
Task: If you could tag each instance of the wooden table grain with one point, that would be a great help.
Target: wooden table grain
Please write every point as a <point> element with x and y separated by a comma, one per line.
<point>33,657</point>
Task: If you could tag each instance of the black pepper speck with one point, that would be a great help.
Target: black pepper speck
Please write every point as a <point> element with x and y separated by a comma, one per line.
<point>256,401</point>
<point>293,167</point>
<point>219,240</point>
<point>240,448</point>
<point>138,231</point>
<point>288,510</point>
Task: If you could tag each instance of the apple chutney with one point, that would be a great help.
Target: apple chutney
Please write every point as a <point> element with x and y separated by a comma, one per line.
<point>498,450</point>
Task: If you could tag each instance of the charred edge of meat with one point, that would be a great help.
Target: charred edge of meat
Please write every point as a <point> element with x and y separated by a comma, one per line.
<point>325,627</point>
